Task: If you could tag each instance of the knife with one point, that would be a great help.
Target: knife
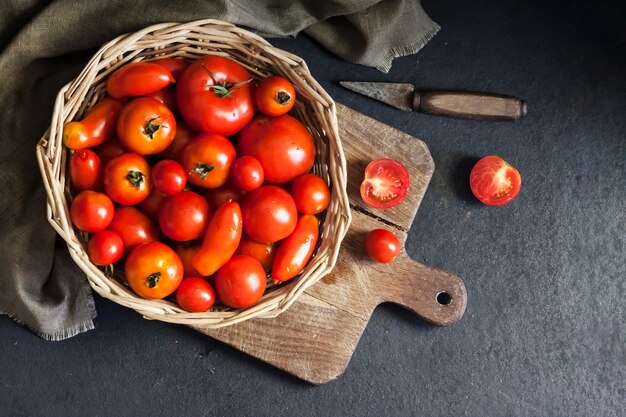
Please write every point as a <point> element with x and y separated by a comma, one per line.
<point>459,104</point>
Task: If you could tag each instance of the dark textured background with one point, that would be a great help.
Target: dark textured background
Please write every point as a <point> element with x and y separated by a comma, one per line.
<point>544,330</point>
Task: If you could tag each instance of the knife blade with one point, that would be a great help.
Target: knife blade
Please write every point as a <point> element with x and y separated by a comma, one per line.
<point>450,103</point>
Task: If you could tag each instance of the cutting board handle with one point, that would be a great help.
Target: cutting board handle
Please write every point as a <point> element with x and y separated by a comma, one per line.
<point>437,296</point>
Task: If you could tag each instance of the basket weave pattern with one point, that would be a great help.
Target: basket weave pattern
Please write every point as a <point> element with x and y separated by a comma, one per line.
<point>192,40</point>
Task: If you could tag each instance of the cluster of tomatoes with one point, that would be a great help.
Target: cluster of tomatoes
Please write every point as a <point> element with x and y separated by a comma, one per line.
<point>197,180</point>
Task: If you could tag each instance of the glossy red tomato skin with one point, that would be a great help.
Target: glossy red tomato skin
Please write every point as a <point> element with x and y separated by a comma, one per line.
<point>167,96</point>
<point>105,248</point>
<point>220,195</point>
<point>91,211</point>
<point>127,179</point>
<point>138,79</point>
<point>134,227</point>
<point>274,96</point>
<point>310,193</point>
<point>381,245</point>
<point>296,249</point>
<point>206,111</point>
<point>184,216</point>
<point>96,127</point>
<point>241,282</point>
<point>221,239</point>
<point>385,184</point>
<point>207,159</point>
<point>86,170</point>
<point>269,214</point>
<point>169,177</point>
<point>195,295</point>
<point>153,270</point>
<point>282,144</point>
<point>264,252</point>
<point>247,173</point>
<point>175,66</point>
<point>146,126</point>
<point>494,182</point>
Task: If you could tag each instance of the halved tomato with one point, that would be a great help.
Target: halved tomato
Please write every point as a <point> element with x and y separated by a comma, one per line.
<point>385,184</point>
<point>494,182</point>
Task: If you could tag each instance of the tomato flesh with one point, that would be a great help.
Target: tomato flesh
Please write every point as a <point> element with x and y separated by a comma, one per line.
<point>494,182</point>
<point>385,184</point>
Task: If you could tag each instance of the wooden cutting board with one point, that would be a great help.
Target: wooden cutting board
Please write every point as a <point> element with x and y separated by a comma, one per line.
<point>316,337</point>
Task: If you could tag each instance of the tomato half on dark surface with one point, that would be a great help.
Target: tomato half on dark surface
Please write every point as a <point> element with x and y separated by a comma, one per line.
<point>494,182</point>
<point>385,183</point>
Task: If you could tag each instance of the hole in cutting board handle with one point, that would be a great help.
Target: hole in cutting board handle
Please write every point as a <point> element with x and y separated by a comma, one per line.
<point>444,298</point>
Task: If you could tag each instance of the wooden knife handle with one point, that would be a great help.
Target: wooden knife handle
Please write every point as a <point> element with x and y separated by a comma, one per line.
<point>437,296</point>
<point>468,105</point>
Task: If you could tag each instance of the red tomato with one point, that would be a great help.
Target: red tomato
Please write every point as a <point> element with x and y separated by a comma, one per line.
<point>86,170</point>
<point>169,177</point>
<point>269,214</point>
<point>152,204</point>
<point>214,96</point>
<point>381,245</point>
<point>109,150</point>
<point>220,240</point>
<point>247,173</point>
<point>207,159</point>
<point>96,127</point>
<point>175,66</point>
<point>184,216</point>
<point>105,248</point>
<point>167,96</point>
<point>385,184</point>
<point>183,136</point>
<point>262,252</point>
<point>295,251</point>
<point>494,182</point>
<point>274,96</point>
<point>186,251</point>
<point>91,211</point>
<point>134,227</point>
<point>310,193</point>
<point>153,270</point>
<point>227,192</point>
<point>195,295</point>
<point>146,126</point>
<point>241,282</point>
<point>138,79</point>
<point>127,179</point>
<point>282,144</point>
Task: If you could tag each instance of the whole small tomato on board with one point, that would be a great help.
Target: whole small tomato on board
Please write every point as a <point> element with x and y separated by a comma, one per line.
<point>494,182</point>
<point>153,270</point>
<point>381,245</point>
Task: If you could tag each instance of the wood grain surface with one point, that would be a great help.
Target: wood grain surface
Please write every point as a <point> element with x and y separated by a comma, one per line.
<point>470,105</point>
<point>315,339</point>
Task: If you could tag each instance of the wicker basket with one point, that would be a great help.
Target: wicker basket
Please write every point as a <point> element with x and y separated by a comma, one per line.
<point>191,40</point>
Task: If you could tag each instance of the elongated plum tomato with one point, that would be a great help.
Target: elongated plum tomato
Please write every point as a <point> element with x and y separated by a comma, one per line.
<point>195,295</point>
<point>146,126</point>
<point>105,248</point>
<point>385,184</point>
<point>274,96</point>
<point>127,179</point>
<point>134,227</point>
<point>153,270</point>
<point>241,282</point>
<point>494,182</point>
<point>381,245</point>
<point>96,127</point>
<point>296,249</point>
<point>86,170</point>
<point>214,95</point>
<point>207,159</point>
<point>138,79</point>
<point>269,214</point>
<point>91,211</point>
<point>283,146</point>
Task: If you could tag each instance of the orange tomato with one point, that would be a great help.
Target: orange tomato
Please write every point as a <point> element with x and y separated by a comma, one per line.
<point>146,126</point>
<point>153,270</point>
<point>262,252</point>
<point>127,179</point>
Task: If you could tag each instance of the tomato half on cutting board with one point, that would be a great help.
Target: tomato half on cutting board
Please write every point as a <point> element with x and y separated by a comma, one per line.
<point>494,182</point>
<point>385,184</point>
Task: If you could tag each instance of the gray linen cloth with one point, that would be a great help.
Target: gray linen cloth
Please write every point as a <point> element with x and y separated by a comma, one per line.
<point>44,44</point>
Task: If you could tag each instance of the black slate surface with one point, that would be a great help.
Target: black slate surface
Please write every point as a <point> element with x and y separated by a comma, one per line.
<point>544,330</point>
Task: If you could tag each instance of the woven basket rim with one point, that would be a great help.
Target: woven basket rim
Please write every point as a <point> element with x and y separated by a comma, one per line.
<point>316,109</point>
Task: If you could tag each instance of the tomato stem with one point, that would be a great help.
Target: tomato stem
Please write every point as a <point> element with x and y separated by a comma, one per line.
<point>153,279</point>
<point>223,88</point>
<point>283,97</point>
<point>135,178</point>
<point>151,128</point>
<point>202,169</point>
